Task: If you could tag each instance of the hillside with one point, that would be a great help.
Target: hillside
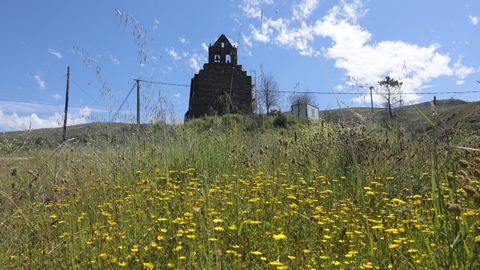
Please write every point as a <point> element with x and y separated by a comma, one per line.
<point>111,132</point>
<point>451,113</point>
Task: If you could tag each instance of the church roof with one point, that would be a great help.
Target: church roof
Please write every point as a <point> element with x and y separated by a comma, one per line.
<point>223,40</point>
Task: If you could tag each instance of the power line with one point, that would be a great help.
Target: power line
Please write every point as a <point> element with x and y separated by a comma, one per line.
<point>281,91</point>
<point>123,103</point>
<point>446,93</point>
<point>37,103</point>
<point>45,104</point>
<point>165,83</point>
<point>54,105</point>
<point>85,92</point>
<point>359,93</point>
<point>328,93</point>
<point>31,103</point>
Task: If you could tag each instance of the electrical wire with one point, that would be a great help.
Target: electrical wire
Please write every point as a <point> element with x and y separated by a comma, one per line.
<point>123,103</point>
<point>85,92</point>
<point>328,93</point>
<point>279,91</point>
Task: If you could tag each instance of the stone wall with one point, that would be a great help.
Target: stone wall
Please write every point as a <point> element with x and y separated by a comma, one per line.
<point>219,89</point>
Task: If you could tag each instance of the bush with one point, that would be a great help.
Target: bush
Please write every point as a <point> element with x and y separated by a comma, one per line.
<point>280,121</point>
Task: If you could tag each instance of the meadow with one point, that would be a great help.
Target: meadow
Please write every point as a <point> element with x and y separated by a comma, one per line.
<point>244,193</point>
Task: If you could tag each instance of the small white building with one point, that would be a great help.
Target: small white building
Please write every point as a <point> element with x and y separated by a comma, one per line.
<point>306,111</point>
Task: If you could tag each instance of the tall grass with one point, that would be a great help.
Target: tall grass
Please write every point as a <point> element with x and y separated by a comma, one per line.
<point>235,193</point>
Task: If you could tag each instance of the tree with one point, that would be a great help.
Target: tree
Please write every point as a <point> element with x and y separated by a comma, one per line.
<point>390,91</point>
<point>268,94</point>
<point>300,98</point>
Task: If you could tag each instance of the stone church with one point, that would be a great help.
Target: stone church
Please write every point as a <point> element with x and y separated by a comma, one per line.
<point>222,86</point>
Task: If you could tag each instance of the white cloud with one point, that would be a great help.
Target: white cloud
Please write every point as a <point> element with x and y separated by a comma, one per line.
<point>352,48</point>
<point>114,60</point>
<point>56,96</point>
<point>183,40</point>
<point>338,87</point>
<point>304,9</point>
<point>14,121</point>
<point>26,107</point>
<point>253,8</point>
<point>194,64</point>
<point>196,60</point>
<point>205,47</point>
<point>462,71</point>
<point>40,81</point>
<point>246,40</point>
<point>174,54</point>
<point>85,112</point>
<point>39,108</point>
<point>156,23</point>
<point>234,43</point>
<point>283,34</point>
<point>474,19</point>
<point>425,87</point>
<point>262,35</point>
<point>55,53</point>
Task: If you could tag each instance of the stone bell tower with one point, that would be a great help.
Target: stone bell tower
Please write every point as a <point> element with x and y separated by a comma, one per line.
<point>222,86</point>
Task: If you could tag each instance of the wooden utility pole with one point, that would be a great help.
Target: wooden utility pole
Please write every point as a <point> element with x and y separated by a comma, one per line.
<point>66,106</point>
<point>371,98</point>
<point>138,101</point>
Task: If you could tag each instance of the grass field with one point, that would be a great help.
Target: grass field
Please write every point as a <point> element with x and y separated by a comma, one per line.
<point>241,193</point>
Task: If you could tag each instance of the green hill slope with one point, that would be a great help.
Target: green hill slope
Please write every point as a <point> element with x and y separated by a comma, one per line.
<point>452,113</point>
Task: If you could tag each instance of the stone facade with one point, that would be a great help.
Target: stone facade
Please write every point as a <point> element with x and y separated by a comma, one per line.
<point>221,86</point>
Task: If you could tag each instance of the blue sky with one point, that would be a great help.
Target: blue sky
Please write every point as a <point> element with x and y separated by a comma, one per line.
<point>307,45</point>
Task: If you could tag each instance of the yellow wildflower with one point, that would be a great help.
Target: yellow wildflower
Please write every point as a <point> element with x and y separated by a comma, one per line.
<point>279,236</point>
<point>148,266</point>
<point>276,263</point>
<point>218,220</point>
<point>103,256</point>
<point>393,246</point>
<point>219,229</point>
